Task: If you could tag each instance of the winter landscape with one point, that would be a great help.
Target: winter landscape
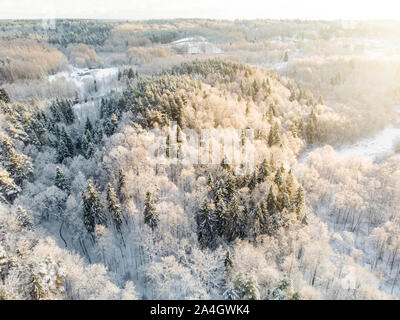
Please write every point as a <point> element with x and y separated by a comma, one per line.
<point>199,159</point>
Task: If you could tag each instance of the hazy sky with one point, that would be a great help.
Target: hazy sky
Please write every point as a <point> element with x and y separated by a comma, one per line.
<point>220,9</point>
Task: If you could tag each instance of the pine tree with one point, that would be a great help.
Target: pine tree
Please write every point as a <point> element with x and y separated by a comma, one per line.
<point>19,167</point>
<point>245,223</point>
<point>293,129</point>
<point>206,225</point>
<point>251,291</point>
<point>65,147</point>
<point>234,222</point>
<point>284,291</point>
<point>37,290</point>
<point>92,207</point>
<point>87,144</point>
<point>286,57</point>
<point>4,96</point>
<point>299,201</point>
<point>111,125</point>
<point>263,171</point>
<point>292,95</point>
<point>289,185</point>
<point>225,163</point>
<point>131,74</point>
<point>8,188</point>
<point>179,112</point>
<point>61,181</point>
<point>228,262</point>
<point>121,185</point>
<point>68,113</point>
<point>150,214</point>
<point>90,150</point>
<point>210,181</point>
<point>278,178</point>
<point>24,219</point>
<point>311,128</point>
<point>88,125</point>
<point>221,212</point>
<point>254,179</point>
<point>113,206</point>
<point>243,289</point>
<point>271,202</point>
<point>55,112</point>
<point>274,136</point>
<point>230,185</point>
<point>168,146</point>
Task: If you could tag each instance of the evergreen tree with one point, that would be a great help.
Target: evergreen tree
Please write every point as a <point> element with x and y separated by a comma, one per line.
<point>168,147</point>
<point>130,74</point>
<point>61,181</point>
<point>228,262</point>
<point>92,207</point>
<point>24,219</point>
<point>274,136</point>
<point>111,125</point>
<point>286,57</point>
<point>230,185</point>
<point>292,95</point>
<point>311,128</point>
<point>121,185</point>
<point>225,163</point>
<point>88,125</point>
<point>19,167</point>
<point>251,291</point>
<point>67,111</point>
<point>65,147</point>
<point>221,212</point>
<point>90,150</point>
<point>8,188</point>
<point>234,222</point>
<point>206,225</point>
<point>37,291</point>
<point>263,171</point>
<point>113,206</point>
<point>271,202</point>
<point>243,288</point>
<point>245,223</point>
<point>290,188</point>
<point>87,144</point>
<point>150,214</point>
<point>179,112</point>
<point>254,179</point>
<point>284,291</point>
<point>4,96</point>
<point>299,201</point>
<point>210,181</point>
<point>278,178</point>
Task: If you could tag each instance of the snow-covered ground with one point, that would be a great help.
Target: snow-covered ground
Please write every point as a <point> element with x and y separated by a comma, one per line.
<point>83,78</point>
<point>374,148</point>
<point>196,45</point>
<point>89,93</point>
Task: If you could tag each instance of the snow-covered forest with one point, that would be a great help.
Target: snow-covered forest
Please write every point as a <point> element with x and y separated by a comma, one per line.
<point>107,190</point>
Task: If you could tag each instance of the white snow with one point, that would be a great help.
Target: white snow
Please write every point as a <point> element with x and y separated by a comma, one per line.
<point>196,45</point>
<point>376,147</point>
<point>83,76</point>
